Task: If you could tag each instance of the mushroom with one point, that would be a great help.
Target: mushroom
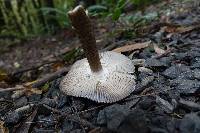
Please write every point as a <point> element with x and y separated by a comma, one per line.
<point>102,77</point>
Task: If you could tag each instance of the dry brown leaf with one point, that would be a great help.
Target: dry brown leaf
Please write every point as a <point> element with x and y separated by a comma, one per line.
<point>170,29</point>
<point>29,90</point>
<point>185,29</point>
<point>158,50</point>
<point>26,89</point>
<point>180,29</point>
<point>132,47</point>
<point>56,66</point>
<point>3,129</point>
<point>3,75</point>
<point>34,91</point>
<point>30,83</point>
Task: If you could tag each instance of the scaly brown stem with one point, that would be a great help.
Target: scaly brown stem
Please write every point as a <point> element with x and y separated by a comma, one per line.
<point>83,27</point>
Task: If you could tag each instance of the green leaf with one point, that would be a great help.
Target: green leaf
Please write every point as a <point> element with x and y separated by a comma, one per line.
<point>97,8</point>
<point>45,87</point>
<point>121,3</point>
<point>46,10</point>
<point>116,14</point>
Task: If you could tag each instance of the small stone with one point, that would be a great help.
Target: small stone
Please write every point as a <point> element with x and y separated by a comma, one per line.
<point>21,102</point>
<point>5,95</point>
<point>12,118</point>
<point>147,102</point>
<point>145,54</point>
<point>196,73</point>
<point>15,116</point>
<point>50,102</point>
<point>176,71</point>
<point>144,70</point>
<point>69,125</point>
<point>189,105</point>
<point>146,81</point>
<point>138,62</point>
<point>185,86</point>
<point>181,56</point>
<point>158,130</point>
<point>62,100</point>
<point>152,63</point>
<point>112,116</point>
<point>34,98</point>
<point>164,105</point>
<point>194,52</point>
<point>195,63</point>
<point>190,124</point>
<point>167,60</point>
<point>16,64</point>
<point>136,121</point>
<point>77,131</point>
<point>54,90</point>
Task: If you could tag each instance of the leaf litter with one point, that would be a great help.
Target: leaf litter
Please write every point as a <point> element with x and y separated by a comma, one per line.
<point>167,92</point>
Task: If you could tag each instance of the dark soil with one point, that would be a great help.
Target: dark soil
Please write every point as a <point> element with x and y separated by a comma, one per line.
<point>166,99</point>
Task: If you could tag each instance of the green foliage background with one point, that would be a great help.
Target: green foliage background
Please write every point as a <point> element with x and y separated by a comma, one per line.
<point>24,18</point>
<point>27,18</point>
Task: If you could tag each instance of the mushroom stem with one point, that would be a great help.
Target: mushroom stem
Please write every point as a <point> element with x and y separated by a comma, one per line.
<point>83,27</point>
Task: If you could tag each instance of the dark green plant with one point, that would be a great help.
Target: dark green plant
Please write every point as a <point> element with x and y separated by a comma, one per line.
<point>20,19</point>
<point>59,11</point>
<point>33,17</point>
<point>72,55</point>
<point>118,9</point>
<point>111,8</point>
<point>114,8</point>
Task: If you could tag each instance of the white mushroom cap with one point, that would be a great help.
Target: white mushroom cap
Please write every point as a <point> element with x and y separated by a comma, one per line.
<point>114,82</point>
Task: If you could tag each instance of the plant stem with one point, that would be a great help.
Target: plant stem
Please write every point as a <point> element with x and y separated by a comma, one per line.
<point>83,27</point>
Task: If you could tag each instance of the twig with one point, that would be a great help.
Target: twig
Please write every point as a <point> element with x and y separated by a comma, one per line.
<point>39,82</point>
<point>91,109</point>
<point>77,113</point>
<point>140,96</point>
<point>9,89</point>
<point>62,52</point>
<point>115,44</point>
<point>52,109</point>
<point>189,105</point>
<point>25,127</point>
<point>82,122</point>
<point>51,57</point>
<point>131,47</point>
<point>50,77</point>
<point>32,68</point>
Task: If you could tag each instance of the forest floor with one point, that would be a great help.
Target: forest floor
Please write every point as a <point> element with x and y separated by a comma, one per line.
<point>165,46</point>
